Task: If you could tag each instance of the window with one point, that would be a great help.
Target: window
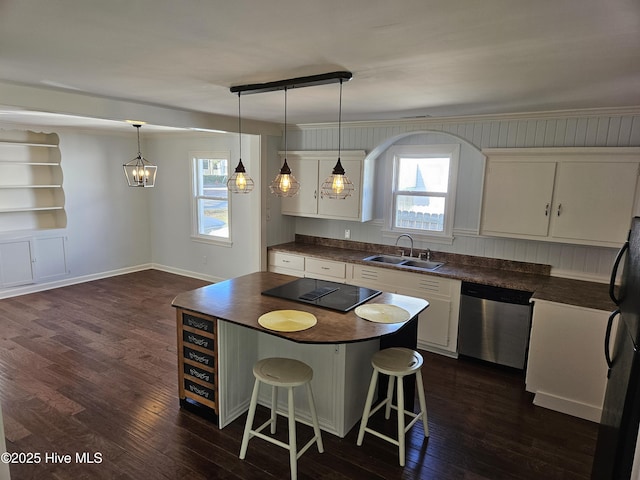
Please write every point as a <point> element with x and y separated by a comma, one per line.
<point>210,206</point>
<point>423,189</point>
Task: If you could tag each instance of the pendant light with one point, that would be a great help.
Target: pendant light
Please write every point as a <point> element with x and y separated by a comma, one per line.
<point>240,182</point>
<point>337,185</point>
<point>285,184</point>
<point>139,171</point>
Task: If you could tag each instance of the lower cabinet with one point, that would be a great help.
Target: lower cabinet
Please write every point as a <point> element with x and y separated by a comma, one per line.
<point>311,267</point>
<point>566,369</point>
<point>438,324</point>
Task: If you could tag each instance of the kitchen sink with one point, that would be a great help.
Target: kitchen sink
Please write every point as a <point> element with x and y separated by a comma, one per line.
<point>407,262</point>
<point>392,259</point>
<point>424,264</point>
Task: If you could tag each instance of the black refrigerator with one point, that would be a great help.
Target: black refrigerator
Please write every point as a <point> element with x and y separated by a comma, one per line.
<point>618,430</point>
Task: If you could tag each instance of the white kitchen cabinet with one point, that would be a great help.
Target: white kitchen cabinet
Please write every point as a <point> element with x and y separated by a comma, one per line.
<point>311,267</point>
<point>325,269</point>
<point>566,368</point>
<point>438,324</point>
<point>311,168</point>
<point>569,195</point>
<point>16,262</point>
<point>286,263</point>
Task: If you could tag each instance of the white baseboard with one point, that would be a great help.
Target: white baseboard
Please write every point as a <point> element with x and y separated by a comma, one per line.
<point>39,287</point>
<point>570,407</point>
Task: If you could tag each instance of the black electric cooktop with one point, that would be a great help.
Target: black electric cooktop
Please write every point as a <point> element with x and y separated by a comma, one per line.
<point>331,295</point>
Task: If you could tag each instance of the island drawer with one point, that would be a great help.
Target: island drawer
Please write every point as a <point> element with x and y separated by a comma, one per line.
<point>199,390</point>
<point>199,373</point>
<point>197,356</point>
<point>197,323</point>
<point>199,340</point>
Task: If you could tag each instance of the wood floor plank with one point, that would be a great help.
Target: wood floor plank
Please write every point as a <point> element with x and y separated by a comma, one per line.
<point>93,368</point>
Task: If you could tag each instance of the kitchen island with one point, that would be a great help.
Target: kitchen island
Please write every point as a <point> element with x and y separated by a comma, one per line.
<point>219,340</point>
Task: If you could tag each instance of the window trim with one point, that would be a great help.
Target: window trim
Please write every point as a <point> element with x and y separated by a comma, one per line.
<point>435,150</point>
<point>194,156</point>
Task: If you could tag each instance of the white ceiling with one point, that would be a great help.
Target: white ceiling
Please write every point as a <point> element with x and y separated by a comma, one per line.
<point>409,58</point>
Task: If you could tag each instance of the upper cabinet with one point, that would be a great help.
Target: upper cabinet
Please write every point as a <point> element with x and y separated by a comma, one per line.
<point>570,195</point>
<point>312,167</point>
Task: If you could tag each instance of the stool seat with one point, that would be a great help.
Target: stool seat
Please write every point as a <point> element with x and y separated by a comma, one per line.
<point>282,372</point>
<point>397,363</point>
<point>287,373</point>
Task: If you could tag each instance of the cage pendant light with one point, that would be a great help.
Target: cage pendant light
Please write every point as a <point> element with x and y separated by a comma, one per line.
<point>337,185</point>
<point>285,184</point>
<point>240,181</point>
<point>139,171</point>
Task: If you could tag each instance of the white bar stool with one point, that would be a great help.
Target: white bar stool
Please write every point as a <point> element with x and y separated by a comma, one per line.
<point>289,373</point>
<point>396,363</point>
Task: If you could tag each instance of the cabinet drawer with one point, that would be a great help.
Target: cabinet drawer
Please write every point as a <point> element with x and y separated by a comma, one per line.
<point>199,357</point>
<point>197,323</point>
<point>286,260</point>
<point>199,373</point>
<point>325,268</point>
<point>199,340</point>
<point>199,390</point>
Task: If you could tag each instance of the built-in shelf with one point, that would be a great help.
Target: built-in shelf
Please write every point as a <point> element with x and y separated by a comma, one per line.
<point>31,193</point>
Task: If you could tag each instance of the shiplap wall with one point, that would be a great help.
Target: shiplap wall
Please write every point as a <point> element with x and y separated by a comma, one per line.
<point>593,128</point>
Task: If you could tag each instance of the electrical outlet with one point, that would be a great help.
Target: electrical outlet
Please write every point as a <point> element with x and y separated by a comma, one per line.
<point>204,259</point>
<point>347,234</point>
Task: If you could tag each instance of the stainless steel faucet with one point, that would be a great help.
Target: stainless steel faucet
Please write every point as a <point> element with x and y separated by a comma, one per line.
<point>410,238</point>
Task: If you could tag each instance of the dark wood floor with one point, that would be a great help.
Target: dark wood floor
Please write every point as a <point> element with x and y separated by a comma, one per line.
<point>92,368</point>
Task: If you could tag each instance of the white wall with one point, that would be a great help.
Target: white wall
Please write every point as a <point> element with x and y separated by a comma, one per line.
<point>597,128</point>
<point>173,247</point>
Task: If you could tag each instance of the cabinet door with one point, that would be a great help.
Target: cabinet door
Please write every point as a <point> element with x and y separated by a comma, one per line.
<point>306,202</point>
<point>16,262</point>
<point>517,198</point>
<point>433,324</point>
<point>350,206</point>
<point>594,201</point>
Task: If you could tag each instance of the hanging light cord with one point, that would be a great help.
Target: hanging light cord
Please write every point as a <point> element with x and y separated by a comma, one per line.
<point>285,124</point>
<point>239,128</point>
<point>138,130</point>
<point>340,121</point>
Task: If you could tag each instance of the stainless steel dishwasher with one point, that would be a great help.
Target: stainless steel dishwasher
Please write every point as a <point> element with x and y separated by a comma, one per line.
<point>494,324</point>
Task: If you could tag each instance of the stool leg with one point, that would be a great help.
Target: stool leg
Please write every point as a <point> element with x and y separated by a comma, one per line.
<point>401,420</point>
<point>293,452</point>
<point>247,428</point>
<point>423,403</point>
<point>387,410</point>
<point>367,406</point>
<point>274,404</point>
<point>314,418</point>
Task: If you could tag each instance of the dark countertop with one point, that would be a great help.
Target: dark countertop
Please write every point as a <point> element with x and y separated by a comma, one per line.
<point>533,278</point>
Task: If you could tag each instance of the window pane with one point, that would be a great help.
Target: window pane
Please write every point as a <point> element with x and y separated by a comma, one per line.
<point>212,177</point>
<point>420,212</point>
<point>213,217</point>
<point>423,174</point>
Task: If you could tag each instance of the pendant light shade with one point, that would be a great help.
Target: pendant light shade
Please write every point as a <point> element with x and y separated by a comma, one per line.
<point>240,181</point>
<point>285,184</point>
<point>139,171</point>
<point>337,185</point>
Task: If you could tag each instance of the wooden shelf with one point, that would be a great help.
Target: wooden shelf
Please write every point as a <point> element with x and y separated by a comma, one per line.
<point>30,209</point>
<point>21,144</point>
<point>31,164</point>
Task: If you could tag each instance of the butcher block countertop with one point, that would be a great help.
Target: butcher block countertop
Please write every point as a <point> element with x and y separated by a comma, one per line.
<point>531,277</point>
